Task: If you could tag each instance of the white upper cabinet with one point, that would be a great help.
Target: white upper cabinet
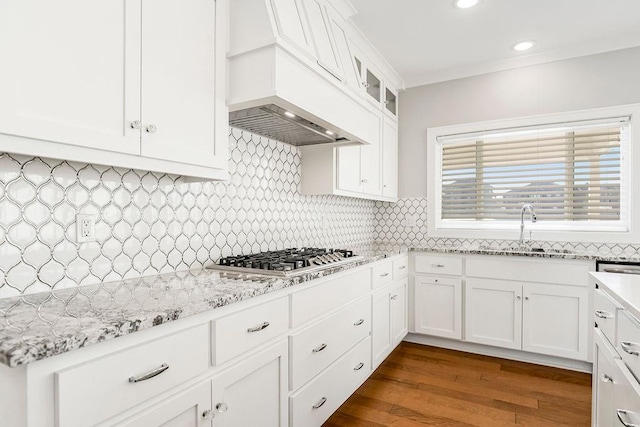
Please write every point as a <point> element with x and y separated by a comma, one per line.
<point>349,72</point>
<point>178,85</point>
<point>348,169</point>
<point>389,159</point>
<point>135,83</point>
<point>290,22</point>
<point>71,72</point>
<point>323,37</point>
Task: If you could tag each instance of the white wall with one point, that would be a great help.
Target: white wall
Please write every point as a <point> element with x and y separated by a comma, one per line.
<point>607,79</point>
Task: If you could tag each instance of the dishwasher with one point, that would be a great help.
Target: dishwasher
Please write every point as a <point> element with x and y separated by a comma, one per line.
<point>621,267</point>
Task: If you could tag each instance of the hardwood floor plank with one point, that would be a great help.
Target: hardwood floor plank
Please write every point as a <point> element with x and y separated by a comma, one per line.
<point>421,385</point>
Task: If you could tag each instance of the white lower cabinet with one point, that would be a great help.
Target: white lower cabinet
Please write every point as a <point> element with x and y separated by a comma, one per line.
<point>555,320</point>
<point>188,409</point>
<point>493,313</point>
<point>254,391</point>
<point>540,318</point>
<point>438,306</point>
<point>626,397</point>
<point>605,374</point>
<point>316,401</point>
<point>389,321</point>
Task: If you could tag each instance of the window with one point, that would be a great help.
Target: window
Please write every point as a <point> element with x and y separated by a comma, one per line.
<point>575,173</point>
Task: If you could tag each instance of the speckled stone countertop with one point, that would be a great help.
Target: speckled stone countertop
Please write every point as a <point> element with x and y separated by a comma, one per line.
<point>42,325</point>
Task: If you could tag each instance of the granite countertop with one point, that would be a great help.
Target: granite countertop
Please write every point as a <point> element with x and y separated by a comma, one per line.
<point>42,325</point>
<point>624,288</point>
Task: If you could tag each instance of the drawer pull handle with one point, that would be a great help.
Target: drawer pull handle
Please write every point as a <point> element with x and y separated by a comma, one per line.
<point>437,265</point>
<point>319,348</point>
<point>394,297</point>
<point>626,346</point>
<point>359,322</point>
<point>602,314</point>
<point>606,378</point>
<point>358,366</point>
<point>320,403</point>
<point>384,274</point>
<point>402,267</point>
<point>149,375</point>
<point>621,413</point>
<point>259,328</point>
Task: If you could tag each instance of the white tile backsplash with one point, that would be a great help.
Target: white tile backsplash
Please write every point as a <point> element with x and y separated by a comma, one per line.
<point>148,223</point>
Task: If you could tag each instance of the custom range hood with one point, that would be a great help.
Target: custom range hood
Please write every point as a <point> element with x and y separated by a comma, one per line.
<point>279,84</point>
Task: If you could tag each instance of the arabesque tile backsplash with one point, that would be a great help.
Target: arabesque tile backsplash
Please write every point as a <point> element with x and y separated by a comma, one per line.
<point>148,223</point>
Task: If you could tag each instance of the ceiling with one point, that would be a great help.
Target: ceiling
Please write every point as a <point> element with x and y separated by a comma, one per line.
<point>428,41</point>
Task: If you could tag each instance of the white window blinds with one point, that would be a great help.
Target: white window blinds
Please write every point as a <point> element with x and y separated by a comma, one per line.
<point>569,172</point>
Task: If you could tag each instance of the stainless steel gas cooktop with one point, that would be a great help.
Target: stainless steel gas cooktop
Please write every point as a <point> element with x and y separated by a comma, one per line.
<point>287,262</point>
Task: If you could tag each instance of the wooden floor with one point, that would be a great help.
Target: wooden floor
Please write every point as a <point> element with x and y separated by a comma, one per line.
<point>420,385</point>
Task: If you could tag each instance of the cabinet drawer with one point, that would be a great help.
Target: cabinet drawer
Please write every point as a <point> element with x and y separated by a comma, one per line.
<point>382,273</point>
<point>235,334</point>
<point>99,389</point>
<point>438,265</point>
<point>605,313</point>
<point>313,404</point>
<point>318,300</point>
<point>628,341</point>
<point>400,267</point>
<point>317,346</point>
<point>626,397</point>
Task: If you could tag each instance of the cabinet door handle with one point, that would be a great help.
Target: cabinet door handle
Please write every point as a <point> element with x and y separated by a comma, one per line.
<point>319,348</point>
<point>602,314</point>
<point>623,412</point>
<point>208,415</point>
<point>259,327</point>
<point>136,124</point>
<point>152,128</point>
<point>402,267</point>
<point>606,378</point>
<point>394,297</point>
<point>384,274</point>
<point>320,403</point>
<point>222,407</point>
<point>437,265</point>
<point>150,374</point>
<point>358,366</point>
<point>359,322</point>
<point>518,298</point>
<point>626,347</point>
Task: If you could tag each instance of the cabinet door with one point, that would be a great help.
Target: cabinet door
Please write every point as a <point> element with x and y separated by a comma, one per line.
<point>555,320</point>
<point>493,313</point>
<point>253,392</point>
<point>71,72</point>
<point>380,327</point>
<point>189,409</point>
<point>371,170</point>
<point>348,169</point>
<point>351,76</point>
<point>604,370</point>
<point>398,312</point>
<point>178,81</point>
<point>291,23</point>
<point>438,306</point>
<point>389,159</point>
<point>323,38</point>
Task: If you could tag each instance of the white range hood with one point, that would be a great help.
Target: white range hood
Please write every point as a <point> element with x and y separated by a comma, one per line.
<point>281,82</point>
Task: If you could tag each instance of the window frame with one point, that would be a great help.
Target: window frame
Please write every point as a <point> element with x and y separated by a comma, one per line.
<point>628,232</point>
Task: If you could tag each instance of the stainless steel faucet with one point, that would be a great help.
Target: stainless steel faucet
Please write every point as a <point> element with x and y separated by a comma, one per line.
<point>532,215</point>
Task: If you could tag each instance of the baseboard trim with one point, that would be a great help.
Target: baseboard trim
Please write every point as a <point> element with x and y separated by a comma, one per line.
<point>504,353</point>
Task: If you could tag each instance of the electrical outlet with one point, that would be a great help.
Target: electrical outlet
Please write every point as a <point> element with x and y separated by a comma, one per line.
<point>85,228</point>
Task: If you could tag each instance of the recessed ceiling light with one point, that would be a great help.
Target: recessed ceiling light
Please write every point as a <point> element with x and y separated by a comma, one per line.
<point>328,132</point>
<point>466,4</point>
<point>524,45</point>
<point>289,114</point>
